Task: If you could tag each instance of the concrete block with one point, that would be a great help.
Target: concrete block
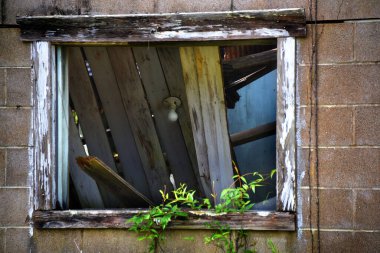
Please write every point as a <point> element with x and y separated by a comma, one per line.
<point>343,168</point>
<point>17,240</point>
<point>16,202</point>
<point>335,127</point>
<point>264,4</point>
<point>367,37</point>
<point>14,127</point>
<point>2,87</point>
<point>40,7</point>
<point>348,9</point>
<point>193,6</point>
<point>2,240</point>
<point>335,208</point>
<point>368,242</point>
<point>342,84</point>
<point>336,241</point>
<point>112,241</point>
<point>367,210</point>
<point>13,52</point>
<point>120,7</point>
<point>19,87</point>
<point>367,125</point>
<point>3,166</point>
<point>47,241</point>
<point>335,43</point>
<point>17,167</point>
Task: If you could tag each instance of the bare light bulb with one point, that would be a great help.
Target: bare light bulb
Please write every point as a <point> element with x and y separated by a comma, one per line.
<point>173,116</point>
<point>172,103</point>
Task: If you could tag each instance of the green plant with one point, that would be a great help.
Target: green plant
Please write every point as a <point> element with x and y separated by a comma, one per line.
<point>152,224</point>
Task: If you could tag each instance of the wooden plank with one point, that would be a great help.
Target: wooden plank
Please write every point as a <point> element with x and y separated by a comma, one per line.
<point>168,132</point>
<point>85,104</point>
<point>87,189</point>
<point>253,220</point>
<point>106,84</point>
<point>140,116</point>
<point>285,141</point>
<point>203,26</point>
<point>62,129</point>
<point>250,61</point>
<point>253,134</point>
<point>43,125</point>
<point>171,66</point>
<point>205,95</point>
<point>110,180</point>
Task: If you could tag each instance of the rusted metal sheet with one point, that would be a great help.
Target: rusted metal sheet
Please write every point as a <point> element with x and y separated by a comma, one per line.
<point>203,26</point>
<point>285,140</point>
<point>253,220</point>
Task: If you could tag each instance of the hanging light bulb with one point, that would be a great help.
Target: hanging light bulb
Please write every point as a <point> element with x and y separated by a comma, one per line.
<point>172,103</point>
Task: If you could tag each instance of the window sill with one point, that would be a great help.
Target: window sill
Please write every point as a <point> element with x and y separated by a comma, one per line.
<point>77,219</point>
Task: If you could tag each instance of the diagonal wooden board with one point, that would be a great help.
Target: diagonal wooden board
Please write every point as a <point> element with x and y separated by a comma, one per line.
<point>111,181</point>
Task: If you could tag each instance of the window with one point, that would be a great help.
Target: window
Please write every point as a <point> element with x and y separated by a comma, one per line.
<point>207,116</point>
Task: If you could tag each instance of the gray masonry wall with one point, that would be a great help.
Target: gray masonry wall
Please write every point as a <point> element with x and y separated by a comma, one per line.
<point>348,152</point>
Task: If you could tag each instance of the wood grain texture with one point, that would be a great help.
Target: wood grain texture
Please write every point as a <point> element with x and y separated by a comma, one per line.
<point>171,65</point>
<point>86,188</point>
<point>253,134</point>
<point>44,124</point>
<point>205,95</point>
<point>85,104</point>
<point>168,132</point>
<point>231,25</point>
<point>117,118</point>
<point>197,220</point>
<point>140,116</point>
<point>110,180</point>
<point>285,140</point>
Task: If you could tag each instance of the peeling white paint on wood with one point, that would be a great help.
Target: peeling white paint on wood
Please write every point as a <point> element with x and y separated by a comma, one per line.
<point>42,125</point>
<point>286,124</point>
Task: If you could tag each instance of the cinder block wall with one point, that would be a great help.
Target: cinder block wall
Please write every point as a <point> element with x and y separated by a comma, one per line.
<point>15,140</point>
<point>347,159</point>
<point>338,180</point>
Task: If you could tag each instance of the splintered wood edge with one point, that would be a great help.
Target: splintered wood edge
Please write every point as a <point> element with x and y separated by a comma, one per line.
<point>102,219</point>
<point>202,26</point>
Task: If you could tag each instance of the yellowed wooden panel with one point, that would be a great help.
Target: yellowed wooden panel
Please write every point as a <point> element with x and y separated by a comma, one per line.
<point>205,95</point>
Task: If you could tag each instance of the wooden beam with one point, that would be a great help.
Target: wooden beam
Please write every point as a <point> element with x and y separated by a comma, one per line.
<point>202,26</point>
<point>250,61</point>
<point>81,219</point>
<point>171,65</point>
<point>44,188</point>
<point>140,117</point>
<point>286,125</point>
<point>87,189</point>
<point>117,118</point>
<point>168,132</point>
<point>253,134</point>
<point>205,96</point>
<point>111,181</point>
<point>90,120</point>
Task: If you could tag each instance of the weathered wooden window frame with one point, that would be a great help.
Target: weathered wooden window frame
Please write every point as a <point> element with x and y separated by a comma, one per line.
<point>44,40</point>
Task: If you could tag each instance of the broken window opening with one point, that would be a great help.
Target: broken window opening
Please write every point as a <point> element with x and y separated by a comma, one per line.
<point>114,92</point>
